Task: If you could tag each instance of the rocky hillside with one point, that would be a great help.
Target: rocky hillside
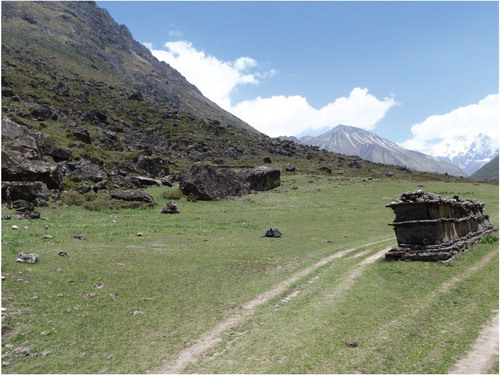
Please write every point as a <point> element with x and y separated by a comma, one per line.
<point>80,95</point>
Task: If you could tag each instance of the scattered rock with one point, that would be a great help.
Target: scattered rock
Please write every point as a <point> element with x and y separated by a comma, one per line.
<point>170,208</point>
<point>63,253</point>
<point>45,353</point>
<point>22,351</point>
<point>140,234</point>
<point>133,196</point>
<point>99,286</point>
<point>79,237</point>
<point>135,313</point>
<point>352,344</point>
<point>15,227</point>
<point>27,258</point>
<point>90,295</point>
<point>113,295</point>
<point>141,181</point>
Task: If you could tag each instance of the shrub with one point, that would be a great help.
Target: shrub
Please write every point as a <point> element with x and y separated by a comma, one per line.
<point>97,201</point>
<point>489,239</point>
<point>192,198</point>
<point>172,194</point>
<point>72,198</point>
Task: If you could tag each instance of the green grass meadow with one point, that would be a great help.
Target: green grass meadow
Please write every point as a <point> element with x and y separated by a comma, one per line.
<point>187,273</point>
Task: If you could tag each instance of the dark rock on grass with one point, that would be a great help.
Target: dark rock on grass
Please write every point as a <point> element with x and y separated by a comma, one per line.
<point>352,343</point>
<point>22,206</point>
<point>170,208</point>
<point>133,196</point>
<point>208,183</point>
<point>27,191</point>
<point>262,178</point>
<point>30,215</point>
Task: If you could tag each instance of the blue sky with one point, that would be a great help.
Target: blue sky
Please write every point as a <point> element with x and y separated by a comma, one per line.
<point>412,72</point>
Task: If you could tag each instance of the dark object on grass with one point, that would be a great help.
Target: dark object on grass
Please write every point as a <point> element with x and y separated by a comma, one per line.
<point>273,233</point>
<point>352,344</point>
<point>170,208</point>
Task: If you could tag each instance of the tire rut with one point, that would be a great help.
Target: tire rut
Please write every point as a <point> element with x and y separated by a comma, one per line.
<point>213,336</point>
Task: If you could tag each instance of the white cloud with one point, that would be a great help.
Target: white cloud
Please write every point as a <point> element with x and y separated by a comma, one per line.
<point>280,115</point>
<point>467,121</point>
<point>216,79</point>
<point>274,116</point>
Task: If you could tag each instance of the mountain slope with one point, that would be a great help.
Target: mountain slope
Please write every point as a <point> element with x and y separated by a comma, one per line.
<point>350,140</point>
<point>488,172</point>
<point>469,153</point>
<point>93,39</point>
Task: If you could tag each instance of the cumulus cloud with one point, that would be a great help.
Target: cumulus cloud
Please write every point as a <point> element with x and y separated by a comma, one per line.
<point>467,121</point>
<point>216,79</point>
<point>291,115</point>
<point>276,115</point>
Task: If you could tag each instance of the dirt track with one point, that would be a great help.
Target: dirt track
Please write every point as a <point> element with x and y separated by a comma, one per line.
<point>483,353</point>
<point>479,360</point>
<point>212,337</point>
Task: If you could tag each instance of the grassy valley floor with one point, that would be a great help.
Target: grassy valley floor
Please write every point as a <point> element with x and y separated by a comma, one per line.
<point>120,302</point>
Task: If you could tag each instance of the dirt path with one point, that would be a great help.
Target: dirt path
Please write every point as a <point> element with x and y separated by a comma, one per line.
<point>483,353</point>
<point>213,336</point>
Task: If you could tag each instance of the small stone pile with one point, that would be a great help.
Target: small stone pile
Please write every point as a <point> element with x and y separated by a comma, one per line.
<point>432,228</point>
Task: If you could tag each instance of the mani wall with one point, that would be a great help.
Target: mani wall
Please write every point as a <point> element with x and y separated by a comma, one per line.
<point>431,228</point>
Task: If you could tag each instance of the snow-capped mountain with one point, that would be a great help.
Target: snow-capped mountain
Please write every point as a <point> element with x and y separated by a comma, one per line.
<point>349,140</point>
<point>467,153</point>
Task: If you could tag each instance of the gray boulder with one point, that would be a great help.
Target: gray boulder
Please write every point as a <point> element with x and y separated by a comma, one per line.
<point>27,258</point>
<point>262,178</point>
<point>209,183</point>
<point>133,196</point>
<point>29,191</point>
<point>155,166</point>
<point>88,170</point>
<point>16,167</point>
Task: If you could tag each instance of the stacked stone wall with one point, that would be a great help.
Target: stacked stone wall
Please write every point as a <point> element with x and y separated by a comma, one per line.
<point>429,227</point>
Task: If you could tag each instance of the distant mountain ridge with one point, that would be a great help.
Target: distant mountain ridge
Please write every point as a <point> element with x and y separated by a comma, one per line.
<point>468,153</point>
<point>349,140</point>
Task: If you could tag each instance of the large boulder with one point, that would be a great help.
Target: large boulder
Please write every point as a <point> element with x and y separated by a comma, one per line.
<point>88,170</point>
<point>262,178</point>
<point>133,196</point>
<point>155,166</point>
<point>21,138</point>
<point>16,167</point>
<point>209,183</point>
<point>29,190</point>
